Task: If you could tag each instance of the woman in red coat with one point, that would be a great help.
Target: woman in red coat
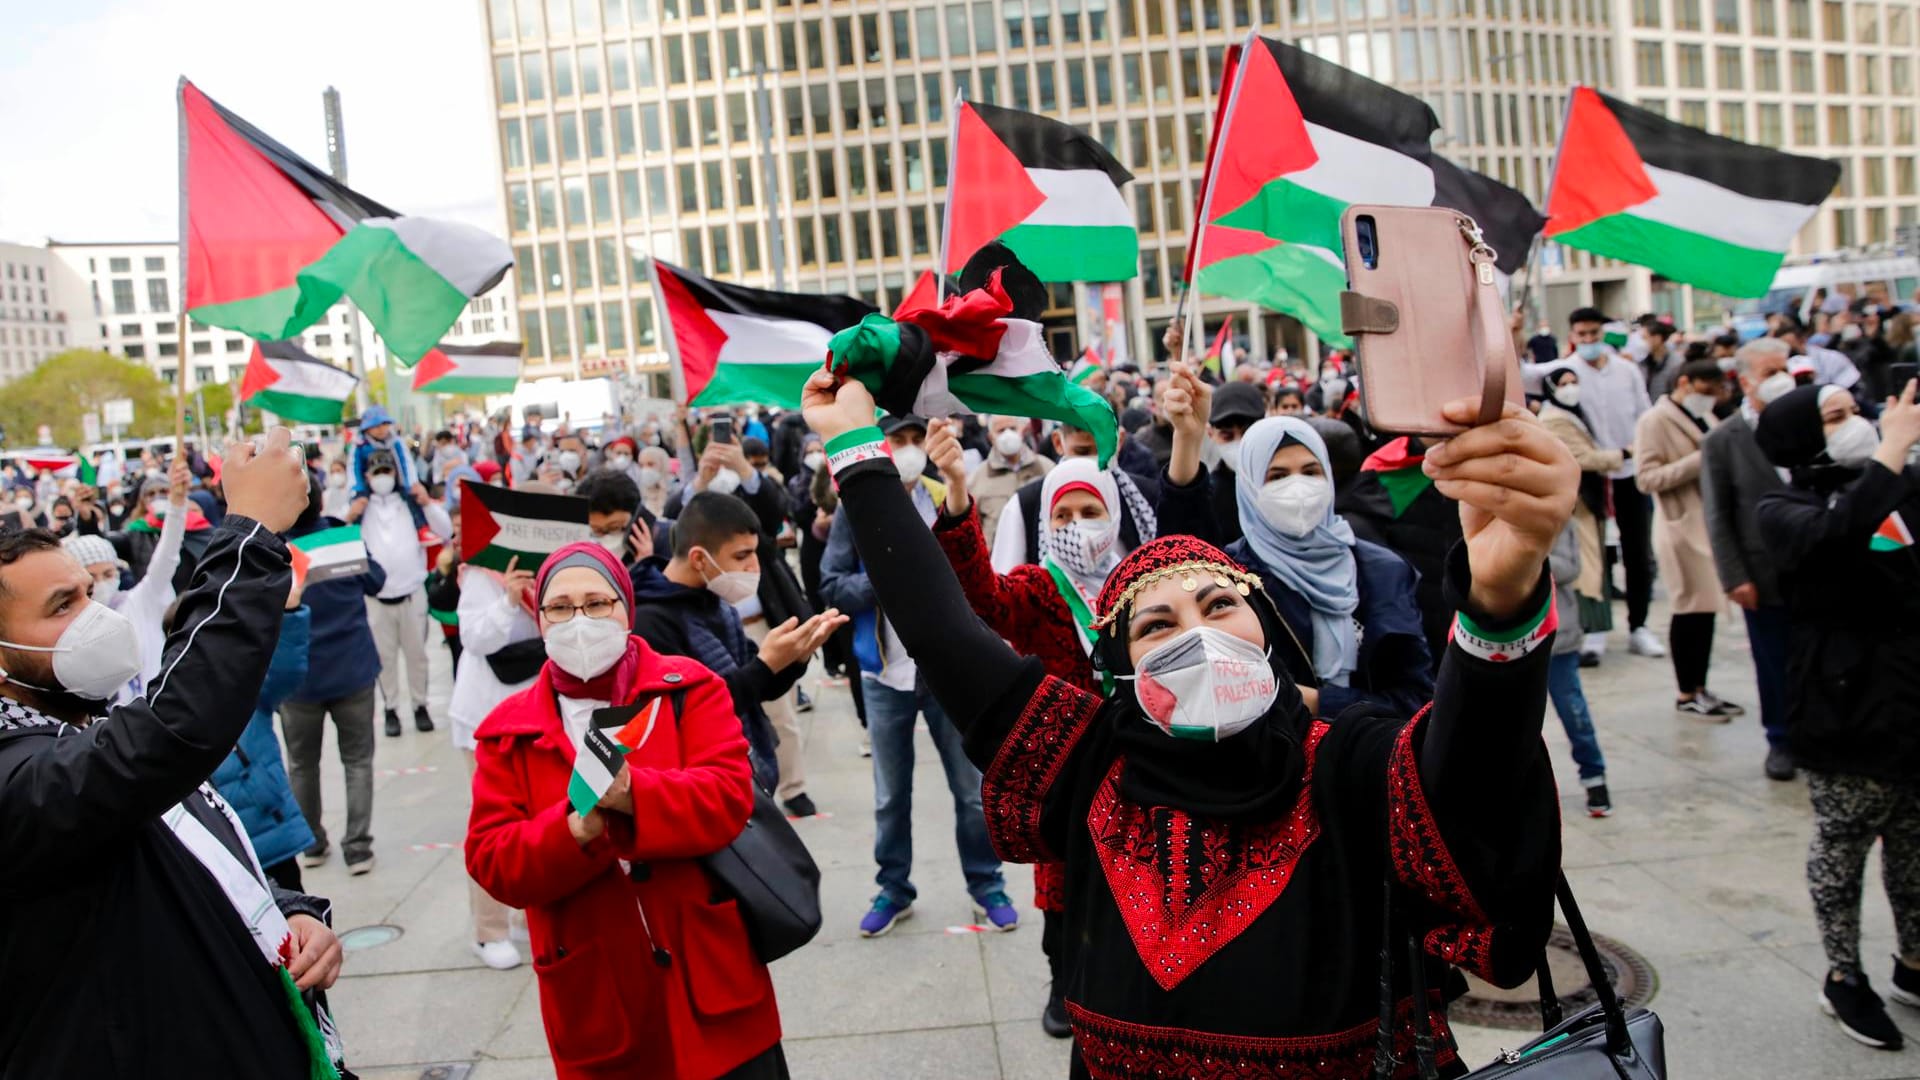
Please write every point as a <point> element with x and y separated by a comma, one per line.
<point>641,972</point>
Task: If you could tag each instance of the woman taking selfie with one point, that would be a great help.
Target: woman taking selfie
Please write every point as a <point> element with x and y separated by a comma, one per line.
<point>1225,852</point>
<point>1355,630</point>
<point>641,973</point>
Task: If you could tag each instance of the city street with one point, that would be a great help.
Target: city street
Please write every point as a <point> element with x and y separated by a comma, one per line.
<point>1699,871</point>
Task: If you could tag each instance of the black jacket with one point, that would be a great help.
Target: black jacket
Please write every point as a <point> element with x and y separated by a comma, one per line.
<point>119,953</point>
<point>1853,666</point>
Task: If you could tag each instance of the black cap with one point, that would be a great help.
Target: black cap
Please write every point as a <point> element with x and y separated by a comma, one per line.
<point>1237,401</point>
<point>891,424</point>
<point>382,461</point>
<point>753,446</point>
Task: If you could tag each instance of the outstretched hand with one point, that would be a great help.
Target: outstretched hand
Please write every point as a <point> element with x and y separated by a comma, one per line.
<point>1516,484</point>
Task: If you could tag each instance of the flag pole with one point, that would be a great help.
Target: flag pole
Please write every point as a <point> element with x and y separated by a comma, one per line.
<point>676,375</point>
<point>1221,122</point>
<point>946,213</point>
<point>180,324</point>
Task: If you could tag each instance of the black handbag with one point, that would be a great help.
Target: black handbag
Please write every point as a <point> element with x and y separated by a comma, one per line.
<point>1600,1042</point>
<point>768,873</point>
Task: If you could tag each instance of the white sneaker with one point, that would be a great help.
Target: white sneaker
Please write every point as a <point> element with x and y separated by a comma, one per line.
<point>1643,642</point>
<point>498,955</point>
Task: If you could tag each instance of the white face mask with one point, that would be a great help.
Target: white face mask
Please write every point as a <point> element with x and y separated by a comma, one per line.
<point>1229,454</point>
<point>1774,387</point>
<point>1296,504</point>
<point>1084,548</point>
<point>105,591</point>
<point>732,586</point>
<point>814,460</point>
<point>337,480</point>
<point>1205,684</point>
<point>1700,405</point>
<point>94,657</point>
<point>619,461</point>
<point>1590,350</point>
<point>583,647</point>
<point>1009,442</point>
<point>724,482</point>
<point>157,507</point>
<point>1567,394</point>
<point>1853,442</point>
<point>382,484</point>
<point>614,542</point>
<point>649,476</point>
<point>569,462</point>
<point>911,461</point>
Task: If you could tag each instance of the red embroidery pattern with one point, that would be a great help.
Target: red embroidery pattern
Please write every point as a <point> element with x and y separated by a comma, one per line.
<point>1422,863</point>
<point>1148,854</point>
<point>1029,761</point>
<point>1117,1050</point>
<point>1050,886</point>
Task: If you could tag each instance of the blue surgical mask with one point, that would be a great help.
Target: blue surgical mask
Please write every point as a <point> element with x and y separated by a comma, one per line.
<point>1590,350</point>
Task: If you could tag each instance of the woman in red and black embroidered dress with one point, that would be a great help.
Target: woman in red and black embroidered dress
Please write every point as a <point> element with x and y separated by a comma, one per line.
<point>1225,884</point>
<point>1043,610</point>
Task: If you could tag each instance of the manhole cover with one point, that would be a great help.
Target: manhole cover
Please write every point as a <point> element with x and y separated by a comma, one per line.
<point>452,1070</point>
<point>1519,1009</point>
<point>361,938</point>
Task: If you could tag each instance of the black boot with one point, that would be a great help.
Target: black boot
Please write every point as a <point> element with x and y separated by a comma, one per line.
<point>420,718</point>
<point>393,724</point>
<point>1053,1020</point>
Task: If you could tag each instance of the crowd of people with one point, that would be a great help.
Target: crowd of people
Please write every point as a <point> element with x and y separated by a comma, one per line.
<point>1196,684</point>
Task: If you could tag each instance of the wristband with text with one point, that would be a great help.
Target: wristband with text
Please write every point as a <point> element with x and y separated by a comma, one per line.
<point>1505,646</point>
<point>853,447</point>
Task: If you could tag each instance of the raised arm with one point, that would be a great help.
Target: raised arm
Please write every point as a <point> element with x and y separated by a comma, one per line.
<point>1186,490</point>
<point>61,801</point>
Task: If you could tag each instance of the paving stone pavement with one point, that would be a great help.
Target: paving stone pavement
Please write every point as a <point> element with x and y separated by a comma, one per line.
<point>1699,869</point>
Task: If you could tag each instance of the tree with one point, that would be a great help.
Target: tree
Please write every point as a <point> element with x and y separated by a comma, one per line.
<point>70,384</point>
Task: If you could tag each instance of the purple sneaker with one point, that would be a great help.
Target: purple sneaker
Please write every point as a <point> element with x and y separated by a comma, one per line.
<point>998,910</point>
<point>881,917</point>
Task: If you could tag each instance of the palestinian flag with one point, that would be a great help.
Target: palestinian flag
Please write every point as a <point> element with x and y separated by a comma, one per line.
<point>925,294</point>
<point>48,458</point>
<point>271,242</point>
<point>498,526</point>
<point>1085,366</point>
<point>1219,347</point>
<point>1706,210</point>
<point>611,735</point>
<point>289,383</point>
<point>1892,535</point>
<point>972,355</point>
<point>1045,189</point>
<point>731,345</point>
<point>328,554</point>
<point>1298,139</point>
<point>493,368</point>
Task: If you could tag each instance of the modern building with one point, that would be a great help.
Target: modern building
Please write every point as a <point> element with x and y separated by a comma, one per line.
<point>1823,78</point>
<point>33,317</point>
<point>121,297</point>
<point>630,127</point>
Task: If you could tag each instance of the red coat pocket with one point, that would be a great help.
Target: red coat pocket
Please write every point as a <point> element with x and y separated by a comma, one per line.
<point>580,1004</point>
<point>723,974</point>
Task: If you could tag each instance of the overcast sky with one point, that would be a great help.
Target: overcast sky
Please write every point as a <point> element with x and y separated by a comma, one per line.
<point>89,144</point>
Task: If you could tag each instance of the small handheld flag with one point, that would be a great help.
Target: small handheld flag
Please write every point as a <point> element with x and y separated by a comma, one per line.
<point>328,554</point>
<point>1219,347</point>
<point>497,525</point>
<point>611,735</point>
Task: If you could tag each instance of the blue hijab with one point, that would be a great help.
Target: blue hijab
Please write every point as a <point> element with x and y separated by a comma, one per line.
<point>1319,566</point>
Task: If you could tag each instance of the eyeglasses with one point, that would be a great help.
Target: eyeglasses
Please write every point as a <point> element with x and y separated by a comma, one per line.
<point>561,611</point>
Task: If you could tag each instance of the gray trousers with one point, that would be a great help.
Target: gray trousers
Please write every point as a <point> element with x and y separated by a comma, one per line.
<point>401,630</point>
<point>302,723</point>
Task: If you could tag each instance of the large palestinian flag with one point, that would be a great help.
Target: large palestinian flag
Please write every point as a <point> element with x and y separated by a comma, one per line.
<point>493,368</point>
<point>731,345</point>
<point>1693,207</point>
<point>1296,140</point>
<point>498,526</point>
<point>1045,189</point>
<point>271,242</point>
<point>290,384</point>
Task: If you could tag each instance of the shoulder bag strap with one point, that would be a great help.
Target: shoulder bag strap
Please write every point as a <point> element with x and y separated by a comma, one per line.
<point>1618,1041</point>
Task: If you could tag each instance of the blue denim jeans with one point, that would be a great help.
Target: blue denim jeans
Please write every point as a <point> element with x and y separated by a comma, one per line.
<point>1768,628</point>
<point>890,716</point>
<point>1563,685</point>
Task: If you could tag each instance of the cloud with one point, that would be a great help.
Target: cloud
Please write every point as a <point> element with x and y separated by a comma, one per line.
<point>89,106</point>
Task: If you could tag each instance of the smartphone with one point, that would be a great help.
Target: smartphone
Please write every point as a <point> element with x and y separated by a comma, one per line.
<point>722,428</point>
<point>1427,320</point>
<point>1899,375</point>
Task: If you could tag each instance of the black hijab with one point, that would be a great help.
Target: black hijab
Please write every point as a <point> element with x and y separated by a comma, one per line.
<point>1791,435</point>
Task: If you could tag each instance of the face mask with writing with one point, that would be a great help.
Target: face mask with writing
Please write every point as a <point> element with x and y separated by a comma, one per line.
<point>1205,684</point>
